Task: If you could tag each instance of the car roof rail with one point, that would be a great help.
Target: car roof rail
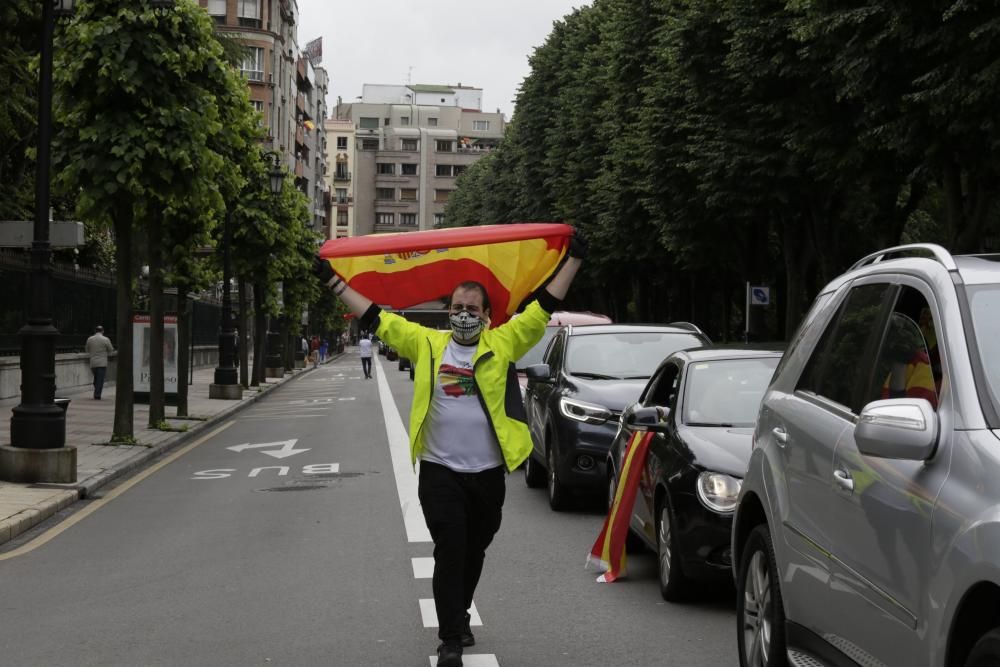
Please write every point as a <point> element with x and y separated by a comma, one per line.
<point>938,253</point>
<point>686,325</point>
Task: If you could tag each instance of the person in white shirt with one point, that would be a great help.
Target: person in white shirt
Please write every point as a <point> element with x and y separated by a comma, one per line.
<point>98,347</point>
<point>365,347</point>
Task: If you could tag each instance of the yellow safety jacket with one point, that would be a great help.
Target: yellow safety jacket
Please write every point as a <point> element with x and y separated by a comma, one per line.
<point>493,372</point>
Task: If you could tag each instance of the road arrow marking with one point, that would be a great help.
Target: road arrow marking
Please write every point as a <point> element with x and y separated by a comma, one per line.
<point>346,398</point>
<point>287,448</point>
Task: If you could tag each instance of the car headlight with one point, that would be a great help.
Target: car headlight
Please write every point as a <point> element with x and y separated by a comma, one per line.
<point>588,413</point>
<point>718,492</point>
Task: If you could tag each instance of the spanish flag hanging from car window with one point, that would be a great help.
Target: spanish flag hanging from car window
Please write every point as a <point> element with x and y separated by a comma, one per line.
<point>608,553</point>
<point>405,269</point>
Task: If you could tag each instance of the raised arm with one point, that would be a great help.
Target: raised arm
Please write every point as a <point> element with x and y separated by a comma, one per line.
<point>560,282</point>
<point>355,301</point>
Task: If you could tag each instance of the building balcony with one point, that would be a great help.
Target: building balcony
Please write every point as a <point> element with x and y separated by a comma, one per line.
<point>340,176</point>
<point>300,135</point>
<point>300,103</point>
<point>300,169</point>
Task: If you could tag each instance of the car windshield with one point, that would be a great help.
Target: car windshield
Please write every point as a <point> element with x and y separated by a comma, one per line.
<point>628,354</point>
<point>534,355</point>
<point>726,392</point>
<point>984,302</point>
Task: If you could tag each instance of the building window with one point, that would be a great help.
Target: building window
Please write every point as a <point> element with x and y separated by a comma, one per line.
<point>409,144</point>
<point>408,169</point>
<point>341,218</point>
<point>248,12</point>
<point>385,168</point>
<point>444,146</point>
<point>368,123</point>
<point>481,125</point>
<point>369,144</point>
<point>258,106</point>
<point>408,219</point>
<point>441,196</point>
<point>386,121</point>
<point>341,173</point>
<point>217,7</point>
<point>404,120</point>
<point>341,195</point>
<point>432,122</point>
<point>438,219</point>
<point>458,169</point>
<point>385,193</point>
<point>341,143</point>
<point>442,170</point>
<point>385,218</point>
<point>407,194</point>
<point>253,64</point>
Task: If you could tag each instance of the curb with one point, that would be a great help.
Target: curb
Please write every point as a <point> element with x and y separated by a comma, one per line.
<point>71,493</point>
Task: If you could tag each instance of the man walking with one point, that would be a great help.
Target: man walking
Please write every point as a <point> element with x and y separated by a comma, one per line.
<point>365,346</point>
<point>467,424</point>
<point>98,347</point>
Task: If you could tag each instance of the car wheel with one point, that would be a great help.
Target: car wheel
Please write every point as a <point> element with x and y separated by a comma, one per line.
<point>760,614</point>
<point>401,366</point>
<point>411,371</point>
<point>673,581</point>
<point>558,493</point>
<point>986,652</point>
<point>534,473</point>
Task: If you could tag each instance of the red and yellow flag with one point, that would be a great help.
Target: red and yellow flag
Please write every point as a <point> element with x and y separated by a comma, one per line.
<point>405,269</point>
<point>608,553</point>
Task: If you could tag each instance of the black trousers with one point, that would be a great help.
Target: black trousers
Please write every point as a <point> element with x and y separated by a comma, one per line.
<point>99,373</point>
<point>366,366</point>
<point>463,512</point>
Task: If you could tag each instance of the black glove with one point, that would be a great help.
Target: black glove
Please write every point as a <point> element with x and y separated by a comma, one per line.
<point>578,244</point>
<point>322,269</point>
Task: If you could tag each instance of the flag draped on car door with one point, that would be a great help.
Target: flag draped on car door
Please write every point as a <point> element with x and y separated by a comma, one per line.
<point>608,553</point>
<point>405,269</point>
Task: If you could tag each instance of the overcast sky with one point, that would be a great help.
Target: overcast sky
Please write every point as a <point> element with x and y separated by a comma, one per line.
<point>472,42</point>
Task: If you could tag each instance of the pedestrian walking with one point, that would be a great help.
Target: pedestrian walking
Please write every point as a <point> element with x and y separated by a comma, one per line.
<point>467,424</point>
<point>324,348</point>
<point>98,347</point>
<point>365,348</point>
<point>314,351</point>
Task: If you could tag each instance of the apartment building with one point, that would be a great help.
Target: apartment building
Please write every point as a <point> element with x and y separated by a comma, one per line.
<point>340,148</point>
<point>411,143</point>
<point>285,87</point>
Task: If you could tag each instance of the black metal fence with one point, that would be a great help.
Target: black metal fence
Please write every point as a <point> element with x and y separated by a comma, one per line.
<point>82,299</point>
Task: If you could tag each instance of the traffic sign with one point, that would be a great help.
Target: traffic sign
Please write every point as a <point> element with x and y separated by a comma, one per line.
<point>760,296</point>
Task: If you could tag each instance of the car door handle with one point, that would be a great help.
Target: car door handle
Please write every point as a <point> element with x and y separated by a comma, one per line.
<point>780,435</point>
<point>844,479</point>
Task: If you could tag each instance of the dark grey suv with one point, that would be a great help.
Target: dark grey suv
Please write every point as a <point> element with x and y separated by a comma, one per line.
<point>867,529</point>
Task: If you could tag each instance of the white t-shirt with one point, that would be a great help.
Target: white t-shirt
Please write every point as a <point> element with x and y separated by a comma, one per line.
<point>365,346</point>
<point>459,435</point>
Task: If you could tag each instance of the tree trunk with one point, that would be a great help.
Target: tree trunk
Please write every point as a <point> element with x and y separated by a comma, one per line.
<point>242,332</point>
<point>157,412</point>
<point>123,431</point>
<point>183,350</point>
<point>260,335</point>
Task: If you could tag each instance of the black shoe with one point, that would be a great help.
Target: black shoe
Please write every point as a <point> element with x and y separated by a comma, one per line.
<point>449,655</point>
<point>467,637</point>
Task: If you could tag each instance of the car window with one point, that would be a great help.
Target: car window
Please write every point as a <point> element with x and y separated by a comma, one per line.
<point>627,354</point>
<point>726,392</point>
<point>554,353</point>
<point>836,366</point>
<point>663,390</point>
<point>908,364</point>
<point>984,304</point>
<point>537,353</point>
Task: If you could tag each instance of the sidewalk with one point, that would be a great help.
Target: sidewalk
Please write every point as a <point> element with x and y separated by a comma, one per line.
<point>89,425</point>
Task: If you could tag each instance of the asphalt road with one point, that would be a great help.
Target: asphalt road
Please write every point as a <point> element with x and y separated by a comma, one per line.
<point>298,552</point>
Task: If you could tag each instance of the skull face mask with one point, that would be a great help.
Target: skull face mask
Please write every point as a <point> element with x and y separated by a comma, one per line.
<point>465,326</point>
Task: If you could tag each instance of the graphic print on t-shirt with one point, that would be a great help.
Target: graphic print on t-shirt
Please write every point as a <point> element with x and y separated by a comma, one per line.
<point>456,381</point>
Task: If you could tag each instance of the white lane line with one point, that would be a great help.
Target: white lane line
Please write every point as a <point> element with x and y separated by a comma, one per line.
<point>474,660</point>
<point>423,568</point>
<point>399,449</point>
<point>430,618</point>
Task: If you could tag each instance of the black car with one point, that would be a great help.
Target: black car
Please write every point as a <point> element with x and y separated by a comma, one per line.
<point>701,406</point>
<point>574,399</point>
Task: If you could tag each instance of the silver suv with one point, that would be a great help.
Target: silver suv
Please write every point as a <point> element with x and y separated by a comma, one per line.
<point>868,526</point>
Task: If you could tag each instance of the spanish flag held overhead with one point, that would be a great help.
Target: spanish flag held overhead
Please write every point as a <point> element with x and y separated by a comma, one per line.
<point>405,269</point>
<point>608,553</point>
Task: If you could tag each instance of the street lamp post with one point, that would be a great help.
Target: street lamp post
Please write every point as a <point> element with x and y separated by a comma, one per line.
<point>38,426</point>
<point>226,384</point>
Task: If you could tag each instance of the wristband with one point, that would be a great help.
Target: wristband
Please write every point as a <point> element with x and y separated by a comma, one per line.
<point>343,288</point>
<point>333,282</point>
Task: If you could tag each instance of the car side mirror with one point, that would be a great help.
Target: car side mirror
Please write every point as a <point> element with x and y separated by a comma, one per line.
<point>539,372</point>
<point>652,419</point>
<point>898,428</point>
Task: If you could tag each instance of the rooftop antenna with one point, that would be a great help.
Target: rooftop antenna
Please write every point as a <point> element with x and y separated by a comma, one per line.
<point>409,75</point>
